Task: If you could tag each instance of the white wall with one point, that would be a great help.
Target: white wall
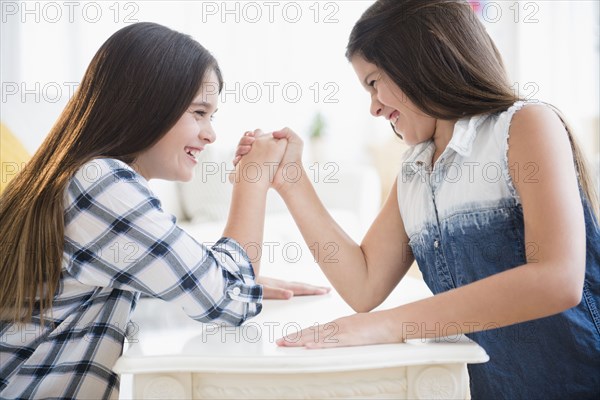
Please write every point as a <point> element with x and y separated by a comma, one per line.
<point>551,46</point>
<point>259,59</point>
<point>551,50</point>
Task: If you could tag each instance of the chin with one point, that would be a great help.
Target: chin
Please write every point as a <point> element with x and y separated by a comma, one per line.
<point>177,177</point>
<point>186,178</point>
<point>410,140</point>
<point>407,139</point>
<point>402,135</point>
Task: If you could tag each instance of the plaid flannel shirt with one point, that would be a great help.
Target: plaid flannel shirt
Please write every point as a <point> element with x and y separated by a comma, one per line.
<point>118,244</point>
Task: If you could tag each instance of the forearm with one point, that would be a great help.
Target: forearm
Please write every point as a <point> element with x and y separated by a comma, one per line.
<point>340,257</point>
<point>524,293</point>
<point>245,223</point>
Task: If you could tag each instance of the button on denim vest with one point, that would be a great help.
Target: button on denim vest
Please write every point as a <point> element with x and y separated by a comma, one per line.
<point>464,220</point>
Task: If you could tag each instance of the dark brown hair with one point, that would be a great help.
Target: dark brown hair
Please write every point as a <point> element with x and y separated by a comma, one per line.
<point>437,52</point>
<point>440,55</point>
<point>136,87</point>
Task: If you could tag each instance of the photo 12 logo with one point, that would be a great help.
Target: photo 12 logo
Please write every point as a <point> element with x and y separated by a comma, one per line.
<point>268,331</point>
<point>70,11</point>
<point>253,12</point>
<point>275,92</point>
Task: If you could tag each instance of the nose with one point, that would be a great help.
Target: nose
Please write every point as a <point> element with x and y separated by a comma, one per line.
<point>376,107</point>
<point>208,134</point>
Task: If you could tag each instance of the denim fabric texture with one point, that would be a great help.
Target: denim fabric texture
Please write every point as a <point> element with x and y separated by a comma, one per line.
<point>464,220</point>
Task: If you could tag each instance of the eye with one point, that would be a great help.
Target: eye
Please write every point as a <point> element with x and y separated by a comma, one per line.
<point>372,83</point>
<point>201,114</point>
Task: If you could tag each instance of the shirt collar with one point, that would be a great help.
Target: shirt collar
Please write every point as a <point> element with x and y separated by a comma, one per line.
<point>464,134</point>
<point>418,159</point>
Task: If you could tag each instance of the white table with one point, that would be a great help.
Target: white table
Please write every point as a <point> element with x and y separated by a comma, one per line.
<point>178,358</point>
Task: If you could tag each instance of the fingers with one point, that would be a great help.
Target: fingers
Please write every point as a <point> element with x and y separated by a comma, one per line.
<point>246,140</point>
<point>274,293</point>
<point>301,289</point>
<point>242,150</point>
<point>322,336</point>
<point>244,146</point>
<point>283,133</point>
<point>281,144</point>
<point>304,289</point>
<point>279,134</point>
<point>297,288</point>
<point>286,133</point>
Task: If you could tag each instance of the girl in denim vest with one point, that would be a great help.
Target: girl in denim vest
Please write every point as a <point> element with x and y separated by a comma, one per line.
<point>493,201</point>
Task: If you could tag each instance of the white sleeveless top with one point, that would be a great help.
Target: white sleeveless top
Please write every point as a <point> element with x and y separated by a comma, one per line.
<point>465,223</point>
<point>472,172</point>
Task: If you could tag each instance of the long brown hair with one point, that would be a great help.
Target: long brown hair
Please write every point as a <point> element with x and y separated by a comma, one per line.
<point>440,55</point>
<point>136,87</point>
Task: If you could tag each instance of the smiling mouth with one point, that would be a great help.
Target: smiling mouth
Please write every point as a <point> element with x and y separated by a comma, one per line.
<point>193,152</point>
<point>395,131</point>
<point>394,117</point>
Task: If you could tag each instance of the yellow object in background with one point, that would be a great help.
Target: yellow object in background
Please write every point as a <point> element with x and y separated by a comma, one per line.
<point>13,156</point>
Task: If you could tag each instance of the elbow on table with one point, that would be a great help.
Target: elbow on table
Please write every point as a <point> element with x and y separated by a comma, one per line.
<point>362,305</point>
<point>359,308</point>
<point>367,299</point>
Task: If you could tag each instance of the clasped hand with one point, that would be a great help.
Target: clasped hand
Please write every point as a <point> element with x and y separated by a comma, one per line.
<point>278,155</point>
<point>269,156</point>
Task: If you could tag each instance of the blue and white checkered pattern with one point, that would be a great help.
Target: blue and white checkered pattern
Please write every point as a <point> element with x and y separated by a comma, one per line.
<point>118,244</point>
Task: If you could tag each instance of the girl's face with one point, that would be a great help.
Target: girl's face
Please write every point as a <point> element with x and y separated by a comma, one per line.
<point>388,101</point>
<point>173,157</point>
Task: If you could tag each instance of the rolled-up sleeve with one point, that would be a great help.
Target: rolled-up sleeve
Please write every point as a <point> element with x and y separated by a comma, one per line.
<point>116,235</point>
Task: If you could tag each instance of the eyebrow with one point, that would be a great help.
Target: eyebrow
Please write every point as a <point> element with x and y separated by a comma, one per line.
<point>201,104</point>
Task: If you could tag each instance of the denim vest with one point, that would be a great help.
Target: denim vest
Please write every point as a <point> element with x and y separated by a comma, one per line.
<point>464,220</point>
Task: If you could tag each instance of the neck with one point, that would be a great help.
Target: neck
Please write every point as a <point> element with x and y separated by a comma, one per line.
<point>442,135</point>
<point>140,170</point>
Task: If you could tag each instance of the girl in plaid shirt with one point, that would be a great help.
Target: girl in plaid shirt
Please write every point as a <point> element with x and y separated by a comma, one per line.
<point>82,235</point>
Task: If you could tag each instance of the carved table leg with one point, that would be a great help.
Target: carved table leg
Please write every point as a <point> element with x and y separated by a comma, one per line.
<point>163,386</point>
<point>448,381</point>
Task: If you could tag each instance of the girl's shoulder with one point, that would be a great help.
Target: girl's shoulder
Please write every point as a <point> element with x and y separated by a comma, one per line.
<point>536,113</point>
<point>520,118</point>
<point>529,113</point>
